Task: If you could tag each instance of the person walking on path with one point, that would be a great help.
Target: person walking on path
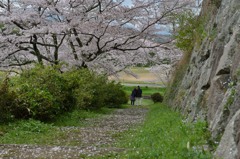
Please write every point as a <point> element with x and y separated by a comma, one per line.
<point>133,95</point>
<point>139,96</point>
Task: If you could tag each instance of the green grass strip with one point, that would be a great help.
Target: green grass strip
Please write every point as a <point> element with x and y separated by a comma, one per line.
<point>165,135</point>
<point>39,133</point>
<point>145,90</point>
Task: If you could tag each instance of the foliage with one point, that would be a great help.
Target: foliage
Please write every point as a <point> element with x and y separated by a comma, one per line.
<point>152,54</point>
<point>99,92</point>
<point>2,26</point>
<point>230,99</point>
<point>238,75</point>
<point>165,135</point>
<point>50,133</point>
<point>190,32</point>
<point>30,132</point>
<point>115,95</point>
<point>147,64</point>
<point>7,100</point>
<point>157,97</point>
<point>30,126</point>
<point>213,33</point>
<point>42,94</point>
<point>80,82</point>
<point>93,91</point>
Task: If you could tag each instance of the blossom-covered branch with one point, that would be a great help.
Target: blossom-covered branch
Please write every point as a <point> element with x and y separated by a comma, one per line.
<point>102,34</point>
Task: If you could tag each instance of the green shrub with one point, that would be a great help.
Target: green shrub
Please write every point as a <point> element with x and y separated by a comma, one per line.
<point>107,94</point>
<point>80,82</point>
<point>93,91</point>
<point>98,92</point>
<point>42,94</point>
<point>7,100</point>
<point>35,103</point>
<point>190,31</point>
<point>157,97</point>
<point>115,95</point>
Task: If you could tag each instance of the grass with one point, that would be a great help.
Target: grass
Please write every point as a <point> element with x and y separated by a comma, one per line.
<point>29,132</point>
<point>36,132</point>
<point>164,135</point>
<point>145,90</point>
<point>77,117</point>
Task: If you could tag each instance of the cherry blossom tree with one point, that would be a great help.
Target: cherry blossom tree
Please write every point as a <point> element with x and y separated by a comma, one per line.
<point>98,34</point>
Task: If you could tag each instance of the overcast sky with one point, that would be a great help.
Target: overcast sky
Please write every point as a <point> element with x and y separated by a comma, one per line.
<point>127,2</point>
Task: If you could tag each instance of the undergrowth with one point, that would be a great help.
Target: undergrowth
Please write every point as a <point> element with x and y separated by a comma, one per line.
<point>29,132</point>
<point>44,93</point>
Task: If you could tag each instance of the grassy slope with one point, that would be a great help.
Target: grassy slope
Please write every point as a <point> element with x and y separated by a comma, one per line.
<point>164,135</point>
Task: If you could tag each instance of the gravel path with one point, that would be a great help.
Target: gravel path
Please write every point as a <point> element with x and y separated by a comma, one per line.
<point>95,139</point>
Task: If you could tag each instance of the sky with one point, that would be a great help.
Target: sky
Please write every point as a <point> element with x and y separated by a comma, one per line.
<point>127,2</point>
<point>165,31</point>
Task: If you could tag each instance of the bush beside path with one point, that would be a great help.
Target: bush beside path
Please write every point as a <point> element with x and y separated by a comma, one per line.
<point>96,138</point>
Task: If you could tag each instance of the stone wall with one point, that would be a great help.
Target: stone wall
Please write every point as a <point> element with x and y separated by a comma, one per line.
<point>210,88</point>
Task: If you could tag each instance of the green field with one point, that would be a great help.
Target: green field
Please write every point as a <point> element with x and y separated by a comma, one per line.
<point>147,91</point>
<point>143,76</point>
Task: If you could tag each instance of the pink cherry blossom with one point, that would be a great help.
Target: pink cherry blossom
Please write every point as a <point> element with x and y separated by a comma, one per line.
<point>99,34</point>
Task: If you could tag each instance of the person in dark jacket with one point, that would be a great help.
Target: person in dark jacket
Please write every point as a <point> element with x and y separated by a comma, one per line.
<point>139,96</point>
<point>133,95</point>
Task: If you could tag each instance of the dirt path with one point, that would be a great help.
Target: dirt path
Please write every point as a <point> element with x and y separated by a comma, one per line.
<point>95,139</point>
